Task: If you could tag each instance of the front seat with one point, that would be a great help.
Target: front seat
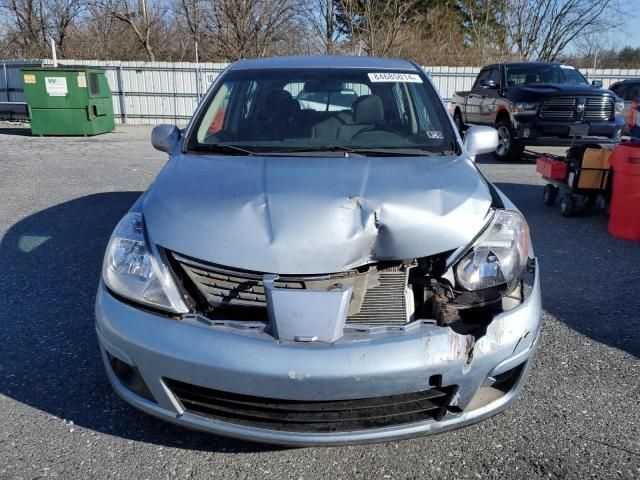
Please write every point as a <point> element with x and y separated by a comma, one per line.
<point>281,115</point>
<point>368,112</point>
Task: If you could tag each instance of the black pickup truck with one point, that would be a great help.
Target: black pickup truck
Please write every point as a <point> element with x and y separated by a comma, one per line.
<point>539,103</point>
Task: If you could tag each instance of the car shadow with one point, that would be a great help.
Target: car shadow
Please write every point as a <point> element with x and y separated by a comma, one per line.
<point>49,269</point>
<point>19,131</point>
<point>490,159</point>
<point>589,278</point>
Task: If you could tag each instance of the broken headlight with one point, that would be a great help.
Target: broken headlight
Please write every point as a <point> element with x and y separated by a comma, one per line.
<point>131,269</point>
<point>499,256</point>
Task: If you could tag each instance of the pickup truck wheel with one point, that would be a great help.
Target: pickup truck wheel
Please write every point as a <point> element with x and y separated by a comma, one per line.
<point>457,119</point>
<point>508,150</point>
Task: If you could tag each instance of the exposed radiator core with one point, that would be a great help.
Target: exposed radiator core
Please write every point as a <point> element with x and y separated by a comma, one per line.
<point>379,294</point>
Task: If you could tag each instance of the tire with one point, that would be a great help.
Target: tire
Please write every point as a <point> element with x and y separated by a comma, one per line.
<point>508,150</point>
<point>457,119</point>
<point>590,201</point>
<point>567,205</point>
<point>550,195</point>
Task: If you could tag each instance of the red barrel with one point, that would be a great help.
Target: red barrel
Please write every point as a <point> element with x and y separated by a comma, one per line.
<point>624,221</point>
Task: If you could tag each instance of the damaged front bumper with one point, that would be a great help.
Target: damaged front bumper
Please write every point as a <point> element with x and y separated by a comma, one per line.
<point>382,362</point>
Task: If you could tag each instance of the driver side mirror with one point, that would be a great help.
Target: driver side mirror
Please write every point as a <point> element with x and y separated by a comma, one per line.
<point>479,140</point>
<point>597,83</point>
<point>165,138</point>
<point>488,83</point>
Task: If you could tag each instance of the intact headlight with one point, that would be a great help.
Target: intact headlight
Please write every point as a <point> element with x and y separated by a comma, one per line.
<point>131,270</point>
<point>522,107</point>
<point>499,255</point>
<point>619,106</point>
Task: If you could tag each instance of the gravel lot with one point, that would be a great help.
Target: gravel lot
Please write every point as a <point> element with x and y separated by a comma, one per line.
<point>578,416</point>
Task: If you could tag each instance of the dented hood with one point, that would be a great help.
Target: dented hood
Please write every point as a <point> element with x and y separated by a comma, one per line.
<point>314,214</point>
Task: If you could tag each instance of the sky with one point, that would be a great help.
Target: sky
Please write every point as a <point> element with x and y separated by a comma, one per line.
<point>629,34</point>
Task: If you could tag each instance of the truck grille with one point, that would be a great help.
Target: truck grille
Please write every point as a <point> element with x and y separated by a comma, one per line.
<point>559,108</point>
<point>566,108</point>
<point>599,108</point>
<point>313,416</point>
<point>383,302</point>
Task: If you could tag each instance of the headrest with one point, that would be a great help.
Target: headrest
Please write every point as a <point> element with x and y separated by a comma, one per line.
<point>282,104</point>
<point>368,110</point>
<point>531,78</point>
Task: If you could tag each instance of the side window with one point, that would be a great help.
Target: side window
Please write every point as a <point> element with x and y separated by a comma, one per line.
<point>213,120</point>
<point>495,75</point>
<point>483,75</point>
<point>632,92</point>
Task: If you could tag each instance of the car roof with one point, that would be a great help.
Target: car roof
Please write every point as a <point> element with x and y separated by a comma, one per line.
<point>522,64</point>
<point>628,80</point>
<point>325,61</point>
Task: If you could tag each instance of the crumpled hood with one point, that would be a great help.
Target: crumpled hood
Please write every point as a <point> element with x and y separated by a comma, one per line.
<point>314,214</point>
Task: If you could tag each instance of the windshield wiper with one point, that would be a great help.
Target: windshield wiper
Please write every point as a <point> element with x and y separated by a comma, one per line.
<point>412,152</point>
<point>227,149</point>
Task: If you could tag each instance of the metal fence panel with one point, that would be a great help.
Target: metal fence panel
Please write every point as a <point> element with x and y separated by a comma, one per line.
<point>147,93</point>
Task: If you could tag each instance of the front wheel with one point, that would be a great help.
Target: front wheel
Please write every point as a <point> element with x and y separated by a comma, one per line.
<point>508,149</point>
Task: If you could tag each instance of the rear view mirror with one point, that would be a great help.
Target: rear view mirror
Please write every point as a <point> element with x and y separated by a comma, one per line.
<point>165,138</point>
<point>479,140</point>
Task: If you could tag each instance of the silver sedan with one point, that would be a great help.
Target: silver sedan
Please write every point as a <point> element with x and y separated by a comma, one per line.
<point>320,262</point>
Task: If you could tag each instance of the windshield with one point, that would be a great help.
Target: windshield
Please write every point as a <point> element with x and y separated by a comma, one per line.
<point>532,74</point>
<point>299,110</point>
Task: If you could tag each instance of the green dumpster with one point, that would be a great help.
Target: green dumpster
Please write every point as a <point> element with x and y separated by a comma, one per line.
<point>68,101</point>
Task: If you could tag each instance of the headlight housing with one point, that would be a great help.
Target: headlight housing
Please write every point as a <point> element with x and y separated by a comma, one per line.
<point>526,107</point>
<point>619,106</point>
<point>133,270</point>
<point>499,255</point>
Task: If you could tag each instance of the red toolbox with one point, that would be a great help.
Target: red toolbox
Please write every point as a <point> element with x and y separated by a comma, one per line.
<point>551,168</point>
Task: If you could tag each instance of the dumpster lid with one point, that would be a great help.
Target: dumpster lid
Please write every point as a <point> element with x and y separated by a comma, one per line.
<point>78,68</point>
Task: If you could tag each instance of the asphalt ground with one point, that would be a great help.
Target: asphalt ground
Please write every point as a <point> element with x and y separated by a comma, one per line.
<point>577,417</point>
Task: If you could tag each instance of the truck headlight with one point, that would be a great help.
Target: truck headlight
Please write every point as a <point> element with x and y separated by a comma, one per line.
<point>619,106</point>
<point>131,269</point>
<point>499,255</point>
<point>526,107</point>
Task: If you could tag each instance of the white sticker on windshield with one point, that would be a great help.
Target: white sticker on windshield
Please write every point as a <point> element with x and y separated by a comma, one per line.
<point>567,67</point>
<point>395,77</point>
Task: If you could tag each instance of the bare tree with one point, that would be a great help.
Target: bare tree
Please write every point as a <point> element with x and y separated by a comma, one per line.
<point>484,27</point>
<point>142,17</point>
<point>376,25</point>
<point>543,29</point>
<point>323,20</point>
<point>250,28</point>
<point>62,14</point>
<point>28,19</point>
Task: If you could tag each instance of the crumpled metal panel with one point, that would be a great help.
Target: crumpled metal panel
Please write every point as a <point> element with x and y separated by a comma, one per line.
<point>304,215</point>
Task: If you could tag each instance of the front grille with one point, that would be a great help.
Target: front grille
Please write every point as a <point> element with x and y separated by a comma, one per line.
<point>599,108</point>
<point>566,108</point>
<point>559,108</point>
<point>313,416</point>
<point>379,295</point>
